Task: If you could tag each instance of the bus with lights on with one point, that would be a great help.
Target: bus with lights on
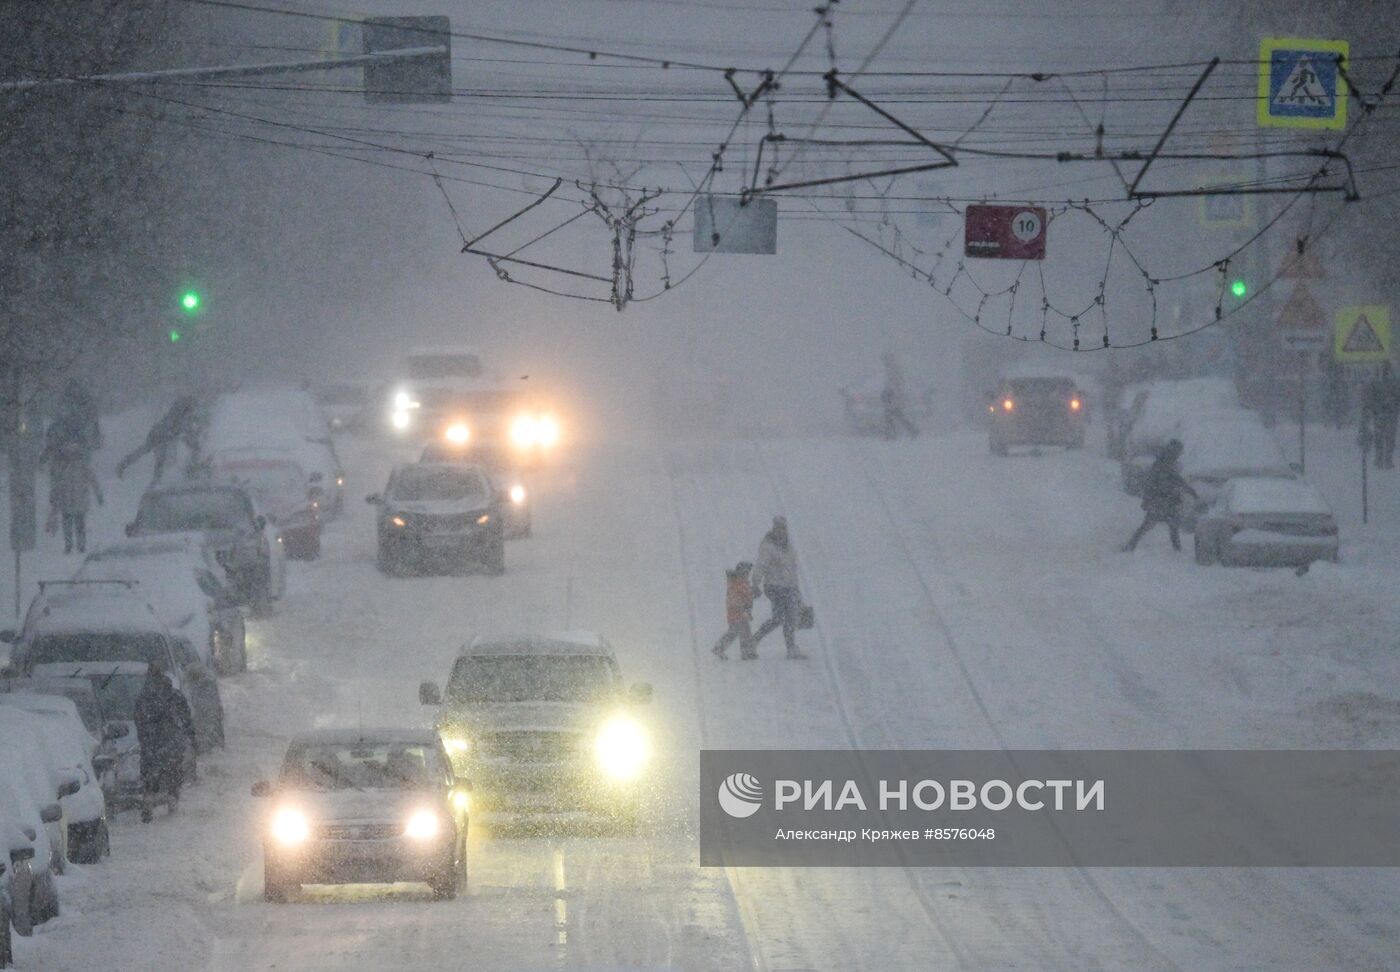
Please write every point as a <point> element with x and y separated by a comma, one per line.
<point>1036,410</point>
<point>448,396</point>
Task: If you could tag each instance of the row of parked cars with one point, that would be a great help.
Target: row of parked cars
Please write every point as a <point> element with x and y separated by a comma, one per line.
<point>197,555</point>
<point>1252,508</point>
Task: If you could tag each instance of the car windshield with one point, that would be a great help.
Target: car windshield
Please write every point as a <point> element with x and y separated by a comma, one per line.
<point>365,765</point>
<point>531,678</point>
<point>211,510</point>
<point>116,694</point>
<point>432,367</point>
<point>1041,387</point>
<point>272,482</point>
<point>418,483</point>
<point>84,646</point>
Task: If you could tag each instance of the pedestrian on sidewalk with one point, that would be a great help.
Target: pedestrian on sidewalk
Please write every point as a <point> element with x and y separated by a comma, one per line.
<point>179,422</point>
<point>165,734</point>
<point>776,570</point>
<point>738,610</point>
<point>72,487</point>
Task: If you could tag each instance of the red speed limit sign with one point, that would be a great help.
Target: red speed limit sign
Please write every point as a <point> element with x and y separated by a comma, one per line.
<point>1005,232</point>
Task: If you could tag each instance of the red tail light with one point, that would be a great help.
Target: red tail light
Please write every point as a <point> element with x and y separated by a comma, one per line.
<point>1074,404</point>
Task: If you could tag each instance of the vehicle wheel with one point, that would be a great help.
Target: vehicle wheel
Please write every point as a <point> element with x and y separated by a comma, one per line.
<point>998,448</point>
<point>92,847</point>
<point>23,916</point>
<point>45,903</point>
<point>7,954</point>
<point>1205,556</point>
<point>454,882</point>
<point>275,888</point>
<point>496,557</point>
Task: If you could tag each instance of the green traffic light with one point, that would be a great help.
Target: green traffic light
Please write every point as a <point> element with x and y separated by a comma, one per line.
<point>1239,288</point>
<point>189,300</point>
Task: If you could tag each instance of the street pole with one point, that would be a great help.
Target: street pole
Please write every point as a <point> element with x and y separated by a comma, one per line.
<point>1302,412</point>
<point>1364,440</point>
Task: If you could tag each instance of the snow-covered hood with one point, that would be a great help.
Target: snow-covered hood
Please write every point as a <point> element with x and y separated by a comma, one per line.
<point>533,716</point>
<point>368,804</point>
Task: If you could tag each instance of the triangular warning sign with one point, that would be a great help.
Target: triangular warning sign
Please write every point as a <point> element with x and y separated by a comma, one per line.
<point>1363,338</point>
<point>1302,87</point>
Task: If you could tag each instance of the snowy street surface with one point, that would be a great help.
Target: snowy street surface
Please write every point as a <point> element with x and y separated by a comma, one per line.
<point>963,601</point>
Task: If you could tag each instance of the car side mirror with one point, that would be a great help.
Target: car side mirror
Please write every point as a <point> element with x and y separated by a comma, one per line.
<point>374,499</point>
<point>639,693</point>
<point>115,730</point>
<point>21,854</point>
<point>429,694</point>
<point>52,813</point>
<point>262,788</point>
<point>131,529</point>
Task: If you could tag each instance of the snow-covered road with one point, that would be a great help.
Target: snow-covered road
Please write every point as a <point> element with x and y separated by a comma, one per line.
<point>963,602</point>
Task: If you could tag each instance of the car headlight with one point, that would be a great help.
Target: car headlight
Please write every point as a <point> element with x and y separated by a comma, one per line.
<point>457,433</point>
<point>423,825</point>
<point>517,494</point>
<point>525,431</point>
<point>548,431</point>
<point>456,745</point>
<point>622,748</point>
<point>290,826</point>
<point>461,800</point>
<point>403,401</point>
<point>398,521</point>
<point>400,419</point>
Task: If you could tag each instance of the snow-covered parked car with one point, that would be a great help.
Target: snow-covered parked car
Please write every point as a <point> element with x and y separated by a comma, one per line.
<point>66,747</point>
<point>365,806</point>
<point>25,762</point>
<point>74,627</point>
<point>1158,414</point>
<point>542,725</point>
<point>278,417</point>
<point>116,686</point>
<point>289,496</point>
<point>439,513</point>
<point>189,598</point>
<point>243,540</point>
<point>1267,522</point>
<point>102,735</point>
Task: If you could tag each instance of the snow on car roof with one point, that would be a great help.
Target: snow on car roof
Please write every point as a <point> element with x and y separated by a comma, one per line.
<point>90,670</point>
<point>570,643</point>
<point>1267,494</point>
<point>1230,444</point>
<point>95,608</point>
<point>196,486</point>
<point>347,737</point>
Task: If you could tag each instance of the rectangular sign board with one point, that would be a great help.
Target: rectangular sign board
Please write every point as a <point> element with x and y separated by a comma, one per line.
<point>1299,83</point>
<point>725,225</point>
<point>1302,323</point>
<point>1004,232</point>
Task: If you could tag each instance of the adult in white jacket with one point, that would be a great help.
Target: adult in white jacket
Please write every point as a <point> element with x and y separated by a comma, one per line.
<point>775,572</point>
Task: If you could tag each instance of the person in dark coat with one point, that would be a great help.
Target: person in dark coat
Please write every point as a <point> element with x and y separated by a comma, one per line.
<point>1381,408</point>
<point>738,610</point>
<point>776,570</point>
<point>178,422</point>
<point>80,409</point>
<point>164,731</point>
<point>72,486</point>
<point>1161,495</point>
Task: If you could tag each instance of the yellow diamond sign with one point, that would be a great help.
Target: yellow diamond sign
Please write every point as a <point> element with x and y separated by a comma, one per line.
<point>1362,334</point>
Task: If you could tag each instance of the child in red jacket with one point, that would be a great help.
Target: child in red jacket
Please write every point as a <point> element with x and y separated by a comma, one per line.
<point>738,609</point>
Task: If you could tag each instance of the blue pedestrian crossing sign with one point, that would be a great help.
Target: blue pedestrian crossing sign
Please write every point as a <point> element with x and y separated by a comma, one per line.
<point>1300,84</point>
